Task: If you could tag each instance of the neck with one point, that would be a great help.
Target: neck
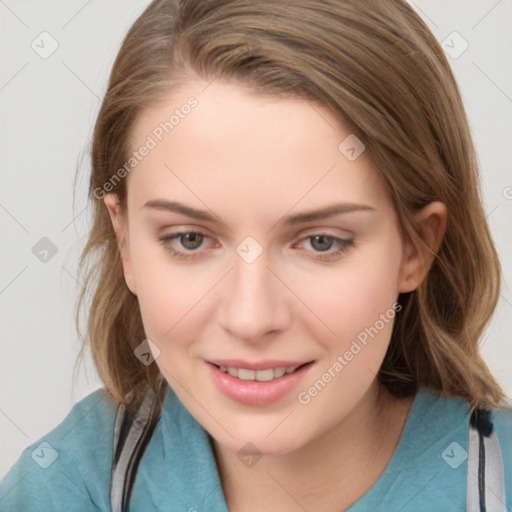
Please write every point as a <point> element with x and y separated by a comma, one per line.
<point>330,472</point>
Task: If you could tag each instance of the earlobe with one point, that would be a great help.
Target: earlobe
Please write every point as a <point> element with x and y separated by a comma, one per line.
<point>119,224</point>
<point>419,256</point>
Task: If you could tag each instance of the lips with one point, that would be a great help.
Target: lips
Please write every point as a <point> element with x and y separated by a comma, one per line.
<point>257,383</point>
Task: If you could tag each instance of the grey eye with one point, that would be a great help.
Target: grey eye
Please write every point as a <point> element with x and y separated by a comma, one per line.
<point>321,242</point>
<point>191,240</point>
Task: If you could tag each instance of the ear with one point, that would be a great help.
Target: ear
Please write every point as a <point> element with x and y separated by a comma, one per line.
<point>418,257</point>
<point>120,225</point>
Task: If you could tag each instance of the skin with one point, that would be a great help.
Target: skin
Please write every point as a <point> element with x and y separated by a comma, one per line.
<point>249,160</point>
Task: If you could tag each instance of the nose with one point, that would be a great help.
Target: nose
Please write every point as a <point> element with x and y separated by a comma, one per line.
<point>254,303</point>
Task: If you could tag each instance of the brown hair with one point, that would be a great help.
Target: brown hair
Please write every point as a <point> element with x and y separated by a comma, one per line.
<point>375,65</point>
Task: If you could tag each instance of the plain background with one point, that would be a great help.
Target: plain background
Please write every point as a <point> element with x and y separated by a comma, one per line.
<point>48,107</point>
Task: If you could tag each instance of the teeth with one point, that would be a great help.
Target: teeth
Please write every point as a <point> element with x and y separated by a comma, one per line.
<point>259,375</point>
<point>279,372</point>
<point>264,375</point>
<point>244,374</point>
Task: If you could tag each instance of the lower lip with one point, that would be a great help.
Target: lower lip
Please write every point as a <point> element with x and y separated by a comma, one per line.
<point>253,392</point>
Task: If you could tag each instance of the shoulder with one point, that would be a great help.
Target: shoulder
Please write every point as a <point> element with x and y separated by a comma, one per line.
<point>502,422</point>
<point>456,410</point>
<point>68,468</point>
<point>438,413</point>
<point>429,469</point>
<point>178,462</point>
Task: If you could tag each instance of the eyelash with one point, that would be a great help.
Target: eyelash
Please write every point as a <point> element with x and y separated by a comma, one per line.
<point>343,246</point>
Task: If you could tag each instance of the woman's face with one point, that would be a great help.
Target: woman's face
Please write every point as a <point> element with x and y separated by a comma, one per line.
<point>289,256</point>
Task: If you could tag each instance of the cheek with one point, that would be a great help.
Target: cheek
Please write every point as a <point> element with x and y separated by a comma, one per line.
<point>156,293</point>
<point>358,298</point>
<point>172,298</point>
<point>359,306</point>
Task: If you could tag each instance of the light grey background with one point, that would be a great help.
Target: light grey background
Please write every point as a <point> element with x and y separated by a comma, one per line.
<point>48,107</point>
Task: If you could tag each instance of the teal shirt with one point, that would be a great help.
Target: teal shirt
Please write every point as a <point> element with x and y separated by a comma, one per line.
<point>68,469</point>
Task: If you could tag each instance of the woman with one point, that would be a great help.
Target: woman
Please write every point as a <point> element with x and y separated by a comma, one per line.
<point>293,271</point>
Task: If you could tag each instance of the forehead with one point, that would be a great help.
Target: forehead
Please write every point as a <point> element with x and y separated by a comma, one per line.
<point>222,142</point>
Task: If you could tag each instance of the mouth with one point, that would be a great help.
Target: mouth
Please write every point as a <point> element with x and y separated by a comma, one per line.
<point>257,384</point>
<point>266,375</point>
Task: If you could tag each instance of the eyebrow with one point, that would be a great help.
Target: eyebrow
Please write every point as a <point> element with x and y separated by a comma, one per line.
<point>307,216</point>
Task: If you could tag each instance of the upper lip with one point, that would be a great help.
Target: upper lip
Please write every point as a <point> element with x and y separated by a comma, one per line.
<point>256,365</point>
